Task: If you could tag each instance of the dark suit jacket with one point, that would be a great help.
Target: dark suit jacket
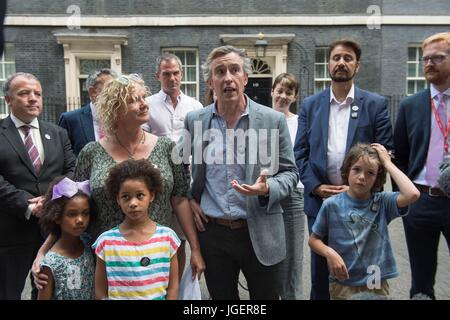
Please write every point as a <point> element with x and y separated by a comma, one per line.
<point>79,126</point>
<point>371,125</point>
<point>412,133</point>
<point>19,182</point>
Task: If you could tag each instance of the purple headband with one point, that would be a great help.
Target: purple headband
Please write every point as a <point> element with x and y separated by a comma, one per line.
<point>69,188</point>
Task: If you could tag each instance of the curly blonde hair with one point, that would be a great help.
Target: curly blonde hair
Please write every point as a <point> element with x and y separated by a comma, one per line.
<point>112,102</point>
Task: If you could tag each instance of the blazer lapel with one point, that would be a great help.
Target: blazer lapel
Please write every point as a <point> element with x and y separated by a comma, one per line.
<point>87,123</point>
<point>254,123</point>
<point>424,110</point>
<point>200,137</point>
<point>48,141</point>
<point>353,122</point>
<point>324,116</point>
<point>12,135</point>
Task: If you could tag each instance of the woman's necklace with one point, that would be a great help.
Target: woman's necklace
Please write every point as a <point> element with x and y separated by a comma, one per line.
<point>131,154</point>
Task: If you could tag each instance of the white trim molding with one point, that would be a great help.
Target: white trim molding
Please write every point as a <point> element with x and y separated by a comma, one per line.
<point>225,20</point>
<point>88,46</point>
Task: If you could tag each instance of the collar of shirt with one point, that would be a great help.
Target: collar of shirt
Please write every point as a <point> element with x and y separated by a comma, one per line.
<point>434,92</point>
<point>347,101</point>
<point>166,98</point>
<point>217,114</point>
<point>19,123</point>
<point>94,112</point>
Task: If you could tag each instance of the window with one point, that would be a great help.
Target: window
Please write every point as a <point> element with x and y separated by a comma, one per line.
<point>87,66</point>
<point>189,61</point>
<point>415,81</point>
<point>322,79</point>
<point>7,68</point>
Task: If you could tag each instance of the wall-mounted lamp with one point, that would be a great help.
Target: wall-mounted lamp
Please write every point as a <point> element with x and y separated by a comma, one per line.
<point>261,45</point>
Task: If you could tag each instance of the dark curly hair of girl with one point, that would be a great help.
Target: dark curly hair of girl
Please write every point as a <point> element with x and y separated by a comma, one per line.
<point>53,209</point>
<point>132,169</point>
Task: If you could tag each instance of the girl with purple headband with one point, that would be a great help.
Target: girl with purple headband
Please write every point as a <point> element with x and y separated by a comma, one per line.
<point>69,265</point>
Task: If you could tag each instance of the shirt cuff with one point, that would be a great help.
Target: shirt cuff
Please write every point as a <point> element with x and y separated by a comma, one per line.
<point>29,209</point>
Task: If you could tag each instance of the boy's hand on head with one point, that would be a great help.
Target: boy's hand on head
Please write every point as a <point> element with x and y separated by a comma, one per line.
<point>336,265</point>
<point>382,153</point>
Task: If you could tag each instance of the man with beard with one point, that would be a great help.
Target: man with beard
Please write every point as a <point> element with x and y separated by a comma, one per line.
<point>330,123</point>
<point>421,144</point>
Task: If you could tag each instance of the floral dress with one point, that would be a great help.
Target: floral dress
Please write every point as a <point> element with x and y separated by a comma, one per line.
<point>73,278</point>
<point>94,162</point>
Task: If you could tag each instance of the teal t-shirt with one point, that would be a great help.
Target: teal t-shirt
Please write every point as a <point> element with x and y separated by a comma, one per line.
<point>358,232</point>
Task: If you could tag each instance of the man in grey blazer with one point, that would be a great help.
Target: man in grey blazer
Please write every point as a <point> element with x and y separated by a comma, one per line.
<point>242,166</point>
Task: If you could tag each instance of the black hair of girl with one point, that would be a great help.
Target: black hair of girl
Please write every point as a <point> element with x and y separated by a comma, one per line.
<point>360,150</point>
<point>53,209</point>
<point>131,169</point>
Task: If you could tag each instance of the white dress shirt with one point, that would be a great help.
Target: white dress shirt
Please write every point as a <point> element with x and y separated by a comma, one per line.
<point>337,134</point>
<point>165,120</point>
<point>95,121</point>
<point>434,92</point>
<point>292,123</point>
<point>37,141</point>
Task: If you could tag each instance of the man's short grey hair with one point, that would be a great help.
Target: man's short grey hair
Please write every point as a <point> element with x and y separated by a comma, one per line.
<point>7,84</point>
<point>94,77</point>
<point>221,51</point>
<point>166,56</point>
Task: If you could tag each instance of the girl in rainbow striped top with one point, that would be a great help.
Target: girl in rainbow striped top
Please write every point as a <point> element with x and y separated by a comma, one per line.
<point>136,259</point>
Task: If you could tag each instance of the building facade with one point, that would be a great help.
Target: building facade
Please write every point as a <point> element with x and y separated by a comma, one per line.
<point>62,41</point>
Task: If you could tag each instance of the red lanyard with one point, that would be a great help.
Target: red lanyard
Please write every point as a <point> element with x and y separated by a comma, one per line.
<point>439,122</point>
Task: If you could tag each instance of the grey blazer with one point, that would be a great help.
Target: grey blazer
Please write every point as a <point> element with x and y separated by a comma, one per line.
<point>264,215</point>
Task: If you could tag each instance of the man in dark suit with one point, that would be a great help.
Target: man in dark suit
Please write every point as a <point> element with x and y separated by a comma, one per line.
<point>82,124</point>
<point>330,123</point>
<point>421,144</point>
<point>32,154</point>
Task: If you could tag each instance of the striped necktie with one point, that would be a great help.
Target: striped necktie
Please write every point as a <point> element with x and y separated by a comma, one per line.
<point>33,152</point>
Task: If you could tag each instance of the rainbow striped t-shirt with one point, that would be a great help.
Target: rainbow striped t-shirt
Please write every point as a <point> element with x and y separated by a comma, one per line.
<point>137,270</point>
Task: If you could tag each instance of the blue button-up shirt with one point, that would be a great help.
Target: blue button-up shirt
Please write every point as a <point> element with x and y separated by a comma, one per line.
<point>219,199</point>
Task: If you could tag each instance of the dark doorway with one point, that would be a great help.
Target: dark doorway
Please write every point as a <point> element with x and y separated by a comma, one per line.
<point>258,89</point>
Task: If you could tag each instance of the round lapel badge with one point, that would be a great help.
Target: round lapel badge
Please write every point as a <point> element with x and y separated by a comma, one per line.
<point>145,261</point>
<point>355,108</point>
<point>47,136</point>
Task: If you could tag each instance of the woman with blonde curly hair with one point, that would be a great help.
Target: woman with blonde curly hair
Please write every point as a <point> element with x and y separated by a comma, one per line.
<point>122,109</point>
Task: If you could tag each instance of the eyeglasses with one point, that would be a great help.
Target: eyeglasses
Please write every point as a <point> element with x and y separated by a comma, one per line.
<point>125,79</point>
<point>436,59</point>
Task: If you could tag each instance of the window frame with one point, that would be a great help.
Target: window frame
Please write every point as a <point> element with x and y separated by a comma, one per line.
<point>326,81</point>
<point>418,63</point>
<point>7,46</point>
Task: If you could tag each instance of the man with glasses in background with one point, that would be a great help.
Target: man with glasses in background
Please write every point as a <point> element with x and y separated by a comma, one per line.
<point>421,144</point>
